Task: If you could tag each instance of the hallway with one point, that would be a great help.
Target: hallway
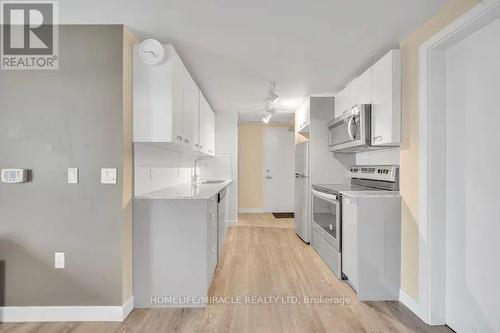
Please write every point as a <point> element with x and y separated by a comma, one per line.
<point>263,257</point>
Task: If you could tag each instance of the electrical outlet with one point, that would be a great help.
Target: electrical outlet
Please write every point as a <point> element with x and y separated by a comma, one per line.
<point>72,175</point>
<point>59,260</point>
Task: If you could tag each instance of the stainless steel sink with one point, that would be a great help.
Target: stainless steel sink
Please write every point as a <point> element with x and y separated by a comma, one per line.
<point>213,181</point>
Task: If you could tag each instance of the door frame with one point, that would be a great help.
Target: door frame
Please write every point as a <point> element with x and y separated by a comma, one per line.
<point>431,303</point>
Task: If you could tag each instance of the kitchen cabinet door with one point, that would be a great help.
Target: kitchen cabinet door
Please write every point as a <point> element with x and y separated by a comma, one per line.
<point>178,88</point>
<point>386,100</point>
<point>211,132</point>
<point>342,101</point>
<point>349,239</point>
<point>302,117</point>
<point>203,124</point>
<point>361,89</point>
<point>190,110</point>
<point>207,127</point>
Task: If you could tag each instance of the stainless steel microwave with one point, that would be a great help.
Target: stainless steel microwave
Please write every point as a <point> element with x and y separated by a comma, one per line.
<point>351,131</point>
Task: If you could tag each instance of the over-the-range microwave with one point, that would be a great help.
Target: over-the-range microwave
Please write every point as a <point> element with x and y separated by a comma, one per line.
<point>351,131</point>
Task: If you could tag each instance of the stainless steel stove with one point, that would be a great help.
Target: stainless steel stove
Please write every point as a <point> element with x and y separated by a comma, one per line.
<point>327,207</point>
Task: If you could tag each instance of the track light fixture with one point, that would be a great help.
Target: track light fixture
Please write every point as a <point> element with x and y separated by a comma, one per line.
<point>273,97</point>
<point>267,118</point>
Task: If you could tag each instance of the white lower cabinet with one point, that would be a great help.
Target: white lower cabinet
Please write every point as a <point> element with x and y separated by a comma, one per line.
<point>349,240</point>
<point>371,244</point>
<point>175,251</point>
<point>212,234</point>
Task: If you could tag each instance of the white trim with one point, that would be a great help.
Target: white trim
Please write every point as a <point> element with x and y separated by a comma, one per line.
<point>410,303</point>
<point>127,307</point>
<point>251,210</point>
<point>66,313</point>
<point>431,270</point>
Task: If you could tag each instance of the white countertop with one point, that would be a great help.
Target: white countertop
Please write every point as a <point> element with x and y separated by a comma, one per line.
<point>189,191</point>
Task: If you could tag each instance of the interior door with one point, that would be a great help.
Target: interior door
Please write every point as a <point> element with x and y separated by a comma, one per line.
<point>472,183</point>
<point>279,175</point>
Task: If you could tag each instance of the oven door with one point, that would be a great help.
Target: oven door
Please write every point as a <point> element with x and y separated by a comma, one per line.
<point>326,216</point>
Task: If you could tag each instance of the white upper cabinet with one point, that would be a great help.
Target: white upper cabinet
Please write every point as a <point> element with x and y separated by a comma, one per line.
<point>343,101</point>
<point>386,100</point>
<point>207,128</point>
<point>361,89</point>
<point>190,110</point>
<point>302,118</point>
<point>380,86</point>
<point>166,106</point>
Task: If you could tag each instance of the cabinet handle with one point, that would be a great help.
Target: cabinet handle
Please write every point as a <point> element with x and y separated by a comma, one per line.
<point>201,147</point>
<point>378,138</point>
<point>179,138</point>
<point>197,146</point>
<point>212,249</point>
<point>186,141</point>
<point>213,217</point>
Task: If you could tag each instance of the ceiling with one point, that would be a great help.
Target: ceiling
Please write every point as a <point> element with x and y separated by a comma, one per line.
<point>235,48</point>
<point>252,117</point>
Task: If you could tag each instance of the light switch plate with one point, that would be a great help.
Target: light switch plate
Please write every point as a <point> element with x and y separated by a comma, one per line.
<point>59,260</point>
<point>108,175</point>
<point>72,175</point>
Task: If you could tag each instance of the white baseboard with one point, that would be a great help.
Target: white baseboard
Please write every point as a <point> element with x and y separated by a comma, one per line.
<point>11,314</point>
<point>250,210</point>
<point>411,304</point>
<point>127,307</point>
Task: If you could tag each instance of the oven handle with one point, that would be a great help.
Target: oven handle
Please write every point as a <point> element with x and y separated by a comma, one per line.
<point>325,196</point>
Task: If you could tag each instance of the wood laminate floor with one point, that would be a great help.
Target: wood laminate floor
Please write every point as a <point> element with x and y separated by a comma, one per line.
<point>262,257</point>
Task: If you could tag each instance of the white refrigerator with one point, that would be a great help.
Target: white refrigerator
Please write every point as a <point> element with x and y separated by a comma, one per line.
<point>302,192</point>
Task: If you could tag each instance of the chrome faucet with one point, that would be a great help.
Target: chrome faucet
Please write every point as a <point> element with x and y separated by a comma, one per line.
<point>194,179</point>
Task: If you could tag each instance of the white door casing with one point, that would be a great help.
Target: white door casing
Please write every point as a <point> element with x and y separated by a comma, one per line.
<point>431,305</point>
<point>279,161</point>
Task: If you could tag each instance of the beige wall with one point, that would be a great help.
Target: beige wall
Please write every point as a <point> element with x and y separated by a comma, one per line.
<point>409,150</point>
<point>250,164</point>
<point>250,172</point>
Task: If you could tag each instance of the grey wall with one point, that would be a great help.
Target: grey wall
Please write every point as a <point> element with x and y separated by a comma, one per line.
<point>49,121</point>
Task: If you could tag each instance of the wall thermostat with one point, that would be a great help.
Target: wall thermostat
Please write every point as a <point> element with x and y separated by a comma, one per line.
<point>14,175</point>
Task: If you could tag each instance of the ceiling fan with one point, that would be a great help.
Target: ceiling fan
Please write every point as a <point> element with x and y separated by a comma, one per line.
<point>269,109</point>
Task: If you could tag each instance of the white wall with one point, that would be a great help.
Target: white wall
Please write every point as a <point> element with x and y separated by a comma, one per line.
<point>472,190</point>
<point>387,156</point>
<point>226,146</point>
<point>157,168</point>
